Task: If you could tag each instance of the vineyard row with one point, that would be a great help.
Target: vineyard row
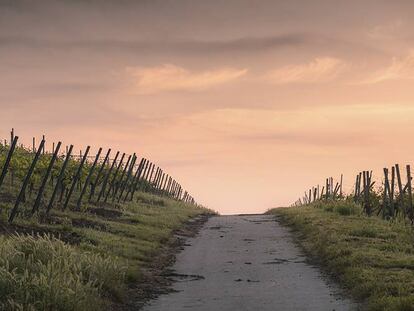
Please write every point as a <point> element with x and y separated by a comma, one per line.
<point>41,180</point>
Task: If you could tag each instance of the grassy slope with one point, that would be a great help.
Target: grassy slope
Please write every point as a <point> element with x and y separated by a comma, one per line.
<point>96,255</point>
<point>371,257</point>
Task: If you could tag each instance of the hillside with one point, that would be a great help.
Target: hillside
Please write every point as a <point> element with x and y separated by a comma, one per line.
<point>104,232</point>
<point>371,257</point>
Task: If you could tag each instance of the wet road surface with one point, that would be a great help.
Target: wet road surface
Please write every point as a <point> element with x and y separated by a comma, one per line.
<point>247,263</point>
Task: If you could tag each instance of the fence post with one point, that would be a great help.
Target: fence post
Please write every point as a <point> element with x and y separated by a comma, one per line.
<point>88,178</point>
<point>118,185</point>
<point>385,204</point>
<point>169,186</point>
<point>25,182</point>
<point>60,177</point>
<point>410,195</point>
<point>129,173</point>
<point>8,158</point>
<point>45,178</point>
<point>114,179</point>
<point>138,174</point>
<point>148,171</point>
<point>392,191</point>
<point>152,173</point>
<point>400,189</point>
<point>106,179</point>
<point>98,176</point>
<point>76,177</point>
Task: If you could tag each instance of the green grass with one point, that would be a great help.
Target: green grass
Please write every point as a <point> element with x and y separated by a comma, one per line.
<point>83,260</point>
<point>371,257</point>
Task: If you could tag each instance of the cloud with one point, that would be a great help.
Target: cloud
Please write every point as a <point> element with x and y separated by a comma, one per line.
<point>386,31</point>
<point>243,44</point>
<point>170,77</point>
<point>322,69</point>
<point>400,69</point>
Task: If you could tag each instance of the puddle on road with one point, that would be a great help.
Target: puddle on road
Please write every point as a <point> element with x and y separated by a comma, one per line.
<point>279,261</point>
<point>178,277</point>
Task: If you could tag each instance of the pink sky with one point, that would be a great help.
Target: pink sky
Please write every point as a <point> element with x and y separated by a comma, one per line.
<point>246,103</point>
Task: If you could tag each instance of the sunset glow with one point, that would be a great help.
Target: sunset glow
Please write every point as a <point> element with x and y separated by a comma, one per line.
<point>247,107</point>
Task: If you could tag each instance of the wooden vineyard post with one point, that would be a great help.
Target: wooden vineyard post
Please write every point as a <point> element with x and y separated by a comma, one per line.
<point>164,186</point>
<point>172,191</point>
<point>367,187</point>
<point>154,181</point>
<point>179,192</point>
<point>159,179</point>
<point>114,178</point>
<point>144,174</point>
<point>356,188</point>
<point>152,173</point>
<point>76,178</point>
<point>340,185</point>
<point>385,202</point>
<point>88,179</point>
<point>327,189</point>
<point>98,176</point>
<point>175,190</point>
<point>129,173</point>
<point>410,211</point>
<point>145,168</point>
<point>364,178</point>
<point>392,190</point>
<point>26,182</point>
<point>168,189</point>
<point>119,183</point>
<point>45,178</point>
<point>137,177</point>
<point>148,171</point>
<point>60,178</point>
<point>8,158</point>
<point>400,189</point>
<point>106,179</point>
<point>146,181</point>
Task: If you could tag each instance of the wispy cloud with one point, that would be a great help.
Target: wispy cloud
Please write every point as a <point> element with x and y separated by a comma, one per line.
<point>322,69</point>
<point>170,77</point>
<point>387,30</point>
<point>241,44</point>
<point>401,68</point>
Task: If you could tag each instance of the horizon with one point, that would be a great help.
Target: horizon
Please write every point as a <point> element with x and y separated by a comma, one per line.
<point>247,108</point>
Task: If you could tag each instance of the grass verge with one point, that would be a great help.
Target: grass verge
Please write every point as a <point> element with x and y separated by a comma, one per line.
<point>370,257</point>
<point>84,261</point>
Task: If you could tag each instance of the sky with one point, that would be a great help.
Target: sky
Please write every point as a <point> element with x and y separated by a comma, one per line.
<point>246,103</point>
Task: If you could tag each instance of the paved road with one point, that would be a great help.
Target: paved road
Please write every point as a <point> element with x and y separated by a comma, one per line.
<point>246,263</point>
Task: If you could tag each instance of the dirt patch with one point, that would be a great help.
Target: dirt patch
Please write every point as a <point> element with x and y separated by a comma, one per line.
<point>7,197</point>
<point>66,236</point>
<point>105,213</point>
<point>157,277</point>
<point>87,223</point>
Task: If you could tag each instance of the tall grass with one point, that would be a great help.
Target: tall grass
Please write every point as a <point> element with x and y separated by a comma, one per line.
<point>371,257</point>
<point>44,273</point>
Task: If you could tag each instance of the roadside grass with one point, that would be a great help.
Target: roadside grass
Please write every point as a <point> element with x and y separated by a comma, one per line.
<point>370,257</point>
<point>82,261</point>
